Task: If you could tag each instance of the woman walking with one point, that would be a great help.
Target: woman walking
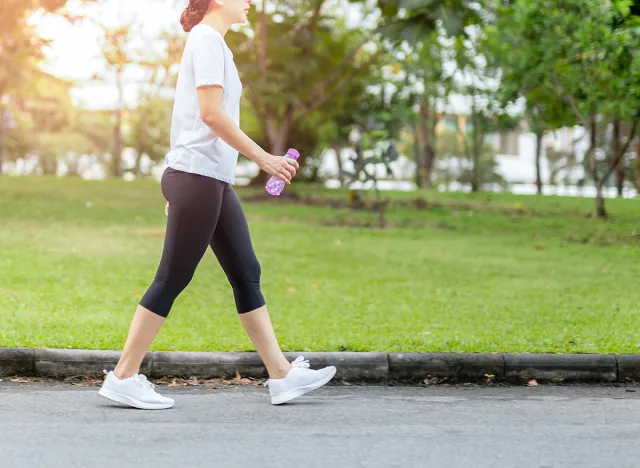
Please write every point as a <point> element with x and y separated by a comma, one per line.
<point>203,211</point>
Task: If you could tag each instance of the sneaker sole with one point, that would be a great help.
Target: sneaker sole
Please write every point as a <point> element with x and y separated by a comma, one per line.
<point>125,400</point>
<point>296,392</point>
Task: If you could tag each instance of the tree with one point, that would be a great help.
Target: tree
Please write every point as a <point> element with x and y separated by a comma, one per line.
<point>576,47</point>
<point>52,147</point>
<point>636,168</point>
<point>96,127</point>
<point>425,67</point>
<point>42,105</point>
<point>542,110</point>
<point>118,57</point>
<point>473,79</point>
<point>21,48</point>
<point>149,129</point>
<point>283,93</point>
<point>457,165</point>
<point>372,148</point>
<point>152,118</point>
<point>15,129</point>
<point>410,21</point>
<point>559,160</point>
<point>422,25</point>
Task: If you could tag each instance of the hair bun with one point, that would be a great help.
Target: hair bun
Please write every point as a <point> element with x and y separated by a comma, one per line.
<point>194,13</point>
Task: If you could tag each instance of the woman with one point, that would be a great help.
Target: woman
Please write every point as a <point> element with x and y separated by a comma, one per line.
<point>203,211</point>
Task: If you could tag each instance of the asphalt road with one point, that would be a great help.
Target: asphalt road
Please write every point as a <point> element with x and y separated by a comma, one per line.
<point>55,425</point>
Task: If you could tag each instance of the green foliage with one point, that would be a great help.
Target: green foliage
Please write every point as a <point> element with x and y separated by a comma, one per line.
<point>52,148</point>
<point>96,127</point>
<point>413,20</point>
<point>371,150</point>
<point>374,134</point>
<point>374,143</point>
<point>21,48</point>
<point>314,70</point>
<point>457,163</point>
<point>581,52</point>
<point>559,161</point>
<point>149,134</point>
<point>18,138</point>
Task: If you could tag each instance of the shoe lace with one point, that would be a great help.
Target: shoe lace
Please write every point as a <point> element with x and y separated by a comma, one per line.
<point>142,381</point>
<point>299,363</point>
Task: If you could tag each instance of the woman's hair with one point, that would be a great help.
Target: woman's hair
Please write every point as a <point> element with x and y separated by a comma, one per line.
<point>193,14</point>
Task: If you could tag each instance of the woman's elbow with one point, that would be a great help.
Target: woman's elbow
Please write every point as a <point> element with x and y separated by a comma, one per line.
<point>211,118</point>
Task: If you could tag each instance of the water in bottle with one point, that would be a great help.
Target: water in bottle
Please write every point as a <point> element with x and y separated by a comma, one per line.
<point>275,186</point>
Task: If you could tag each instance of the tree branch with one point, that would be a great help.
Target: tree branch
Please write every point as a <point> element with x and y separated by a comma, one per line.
<point>316,16</point>
<point>632,134</point>
<point>309,105</point>
<point>314,27</point>
<point>593,144</point>
<point>570,100</point>
<point>618,157</point>
<point>336,72</point>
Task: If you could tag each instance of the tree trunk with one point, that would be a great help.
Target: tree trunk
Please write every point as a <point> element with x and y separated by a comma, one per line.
<point>49,165</point>
<point>539,135</point>
<point>591,159</point>
<point>3,138</point>
<point>600,208</point>
<point>417,153</point>
<point>261,177</point>
<point>619,175</point>
<point>432,144</point>
<point>382,205</point>
<point>117,149</point>
<point>427,148</point>
<point>475,179</point>
<point>616,156</point>
<point>137,170</point>
<point>73,167</point>
<point>263,39</point>
<point>337,148</point>
<point>637,169</point>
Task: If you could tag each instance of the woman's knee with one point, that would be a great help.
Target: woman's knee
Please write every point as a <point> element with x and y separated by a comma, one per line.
<point>245,283</point>
<point>163,292</point>
<point>245,274</point>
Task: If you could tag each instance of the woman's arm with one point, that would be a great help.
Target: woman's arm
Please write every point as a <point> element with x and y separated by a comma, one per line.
<point>212,113</point>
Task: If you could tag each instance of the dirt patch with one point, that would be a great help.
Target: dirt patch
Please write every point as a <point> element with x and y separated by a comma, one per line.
<point>337,203</point>
<point>409,204</point>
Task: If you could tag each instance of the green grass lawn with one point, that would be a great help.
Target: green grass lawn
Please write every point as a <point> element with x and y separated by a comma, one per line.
<point>482,272</point>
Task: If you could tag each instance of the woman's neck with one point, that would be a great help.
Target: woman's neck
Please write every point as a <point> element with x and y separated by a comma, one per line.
<point>216,21</point>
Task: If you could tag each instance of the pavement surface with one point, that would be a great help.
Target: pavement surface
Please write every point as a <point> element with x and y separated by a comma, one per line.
<point>48,424</point>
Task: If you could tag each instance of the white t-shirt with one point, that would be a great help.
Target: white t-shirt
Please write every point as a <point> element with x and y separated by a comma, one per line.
<point>195,147</point>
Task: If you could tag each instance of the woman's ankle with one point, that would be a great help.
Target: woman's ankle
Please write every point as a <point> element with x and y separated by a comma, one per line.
<point>122,374</point>
<point>280,372</point>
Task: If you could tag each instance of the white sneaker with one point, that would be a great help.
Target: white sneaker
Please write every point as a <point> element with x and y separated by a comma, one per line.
<point>299,380</point>
<point>135,391</point>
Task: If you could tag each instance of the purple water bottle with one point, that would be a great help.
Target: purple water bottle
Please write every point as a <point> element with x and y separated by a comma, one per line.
<point>275,186</point>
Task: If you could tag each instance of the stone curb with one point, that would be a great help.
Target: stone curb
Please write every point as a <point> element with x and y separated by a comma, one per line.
<point>62,363</point>
<point>352,366</point>
<point>562,367</point>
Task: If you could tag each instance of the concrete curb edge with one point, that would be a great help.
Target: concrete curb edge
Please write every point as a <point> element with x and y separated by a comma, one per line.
<point>352,366</point>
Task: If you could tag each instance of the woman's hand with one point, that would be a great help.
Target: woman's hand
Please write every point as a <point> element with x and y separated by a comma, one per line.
<point>280,166</point>
<point>166,209</point>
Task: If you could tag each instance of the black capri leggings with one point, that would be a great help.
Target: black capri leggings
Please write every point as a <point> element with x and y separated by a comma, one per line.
<point>203,212</point>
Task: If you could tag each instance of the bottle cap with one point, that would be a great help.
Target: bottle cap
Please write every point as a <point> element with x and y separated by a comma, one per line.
<point>293,153</point>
